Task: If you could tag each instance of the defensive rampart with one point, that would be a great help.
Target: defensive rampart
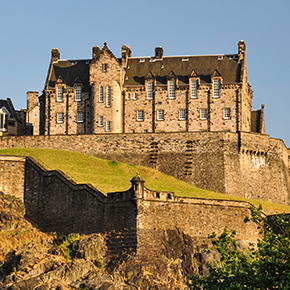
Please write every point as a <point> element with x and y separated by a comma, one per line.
<point>244,164</point>
<point>55,203</point>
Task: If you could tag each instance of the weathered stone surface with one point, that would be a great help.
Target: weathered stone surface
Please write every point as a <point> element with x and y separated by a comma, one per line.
<point>92,248</point>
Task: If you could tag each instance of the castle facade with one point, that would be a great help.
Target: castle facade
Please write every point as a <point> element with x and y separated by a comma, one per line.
<point>154,94</point>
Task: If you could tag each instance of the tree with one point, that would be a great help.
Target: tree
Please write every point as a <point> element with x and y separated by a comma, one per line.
<point>264,266</point>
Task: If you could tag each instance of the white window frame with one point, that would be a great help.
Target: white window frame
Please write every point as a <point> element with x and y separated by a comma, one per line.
<point>108,97</point>
<point>108,126</point>
<point>150,88</point>
<point>216,88</point>
<point>59,94</point>
<point>80,117</point>
<point>101,121</point>
<point>171,90</point>
<point>160,115</point>
<point>78,93</point>
<point>140,116</point>
<point>60,118</point>
<point>193,89</point>
<point>227,113</point>
<point>3,118</point>
<point>128,96</point>
<point>135,96</point>
<point>182,114</point>
<point>101,94</point>
<point>203,114</point>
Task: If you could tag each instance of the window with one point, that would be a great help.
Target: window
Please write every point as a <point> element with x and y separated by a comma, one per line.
<point>101,121</point>
<point>227,113</point>
<point>35,115</point>
<point>59,118</point>
<point>108,103</point>
<point>135,96</point>
<point>108,126</point>
<point>216,88</point>
<point>145,131</point>
<point>193,89</point>
<point>128,96</point>
<point>3,122</point>
<point>132,131</point>
<point>150,90</point>
<point>80,117</point>
<point>140,115</point>
<point>181,114</point>
<point>101,95</point>
<point>171,88</point>
<point>78,93</point>
<point>160,115</point>
<point>59,93</point>
<point>105,67</point>
<point>203,114</point>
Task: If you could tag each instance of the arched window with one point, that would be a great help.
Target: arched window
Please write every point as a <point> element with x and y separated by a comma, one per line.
<point>108,102</point>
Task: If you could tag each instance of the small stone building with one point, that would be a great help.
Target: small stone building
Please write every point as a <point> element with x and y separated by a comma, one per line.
<point>145,94</point>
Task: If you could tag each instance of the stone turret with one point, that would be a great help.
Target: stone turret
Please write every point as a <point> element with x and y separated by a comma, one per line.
<point>138,186</point>
<point>96,52</point>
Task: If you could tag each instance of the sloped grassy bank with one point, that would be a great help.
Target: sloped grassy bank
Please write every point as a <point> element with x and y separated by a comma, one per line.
<point>108,176</point>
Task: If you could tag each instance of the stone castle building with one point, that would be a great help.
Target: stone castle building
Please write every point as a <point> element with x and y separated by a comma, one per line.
<point>155,94</point>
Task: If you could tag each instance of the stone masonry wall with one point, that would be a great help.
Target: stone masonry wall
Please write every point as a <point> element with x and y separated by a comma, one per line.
<point>12,175</point>
<point>244,164</point>
<point>56,204</point>
<point>138,216</point>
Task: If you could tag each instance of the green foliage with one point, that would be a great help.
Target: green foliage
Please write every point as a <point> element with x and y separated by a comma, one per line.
<point>100,264</point>
<point>266,266</point>
<point>65,247</point>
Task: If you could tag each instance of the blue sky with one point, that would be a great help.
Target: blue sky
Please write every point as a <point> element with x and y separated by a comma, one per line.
<point>30,29</point>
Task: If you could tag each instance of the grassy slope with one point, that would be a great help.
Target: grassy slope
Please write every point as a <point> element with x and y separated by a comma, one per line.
<point>108,176</point>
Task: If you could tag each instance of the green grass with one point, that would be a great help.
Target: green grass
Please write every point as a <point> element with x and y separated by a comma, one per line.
<point>108,176</point>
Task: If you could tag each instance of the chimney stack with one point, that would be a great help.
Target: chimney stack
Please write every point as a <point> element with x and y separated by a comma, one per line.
<point>126,52</point>
<point>159,52</point>
<point>55,54</point>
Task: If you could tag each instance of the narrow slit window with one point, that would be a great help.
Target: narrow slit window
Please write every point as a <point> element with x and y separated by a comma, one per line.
<point>59,94</point>
<point>108,103</point>
<point>101,121</point>
<point>108,126</point>
<point>101,95</point>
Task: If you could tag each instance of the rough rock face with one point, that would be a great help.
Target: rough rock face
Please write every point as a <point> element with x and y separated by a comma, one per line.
<point>33,260</point>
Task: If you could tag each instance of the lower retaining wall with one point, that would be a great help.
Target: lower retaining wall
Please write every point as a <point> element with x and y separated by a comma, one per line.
<point>12,173</point>
<point>55,203</point>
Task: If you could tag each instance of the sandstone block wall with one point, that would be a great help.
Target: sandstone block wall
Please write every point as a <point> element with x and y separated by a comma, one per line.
<point>244,164</point>
<point>56,204</point>
<point>12,175</point>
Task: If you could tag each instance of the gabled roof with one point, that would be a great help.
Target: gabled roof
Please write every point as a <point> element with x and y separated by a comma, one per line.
<point>70,71</point>
<point>7,104</point>
<point>182,66</point>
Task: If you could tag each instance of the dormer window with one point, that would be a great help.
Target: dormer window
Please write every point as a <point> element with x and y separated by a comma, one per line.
<point>193,89</point>
<point>171,89</point>
<point>78,93</point>
<point>59,94</point>
<point>150,87</point>
<point>216,88</point>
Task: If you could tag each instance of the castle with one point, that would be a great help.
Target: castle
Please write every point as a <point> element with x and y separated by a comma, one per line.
<point>155,94</point>
<point>187,116</point>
